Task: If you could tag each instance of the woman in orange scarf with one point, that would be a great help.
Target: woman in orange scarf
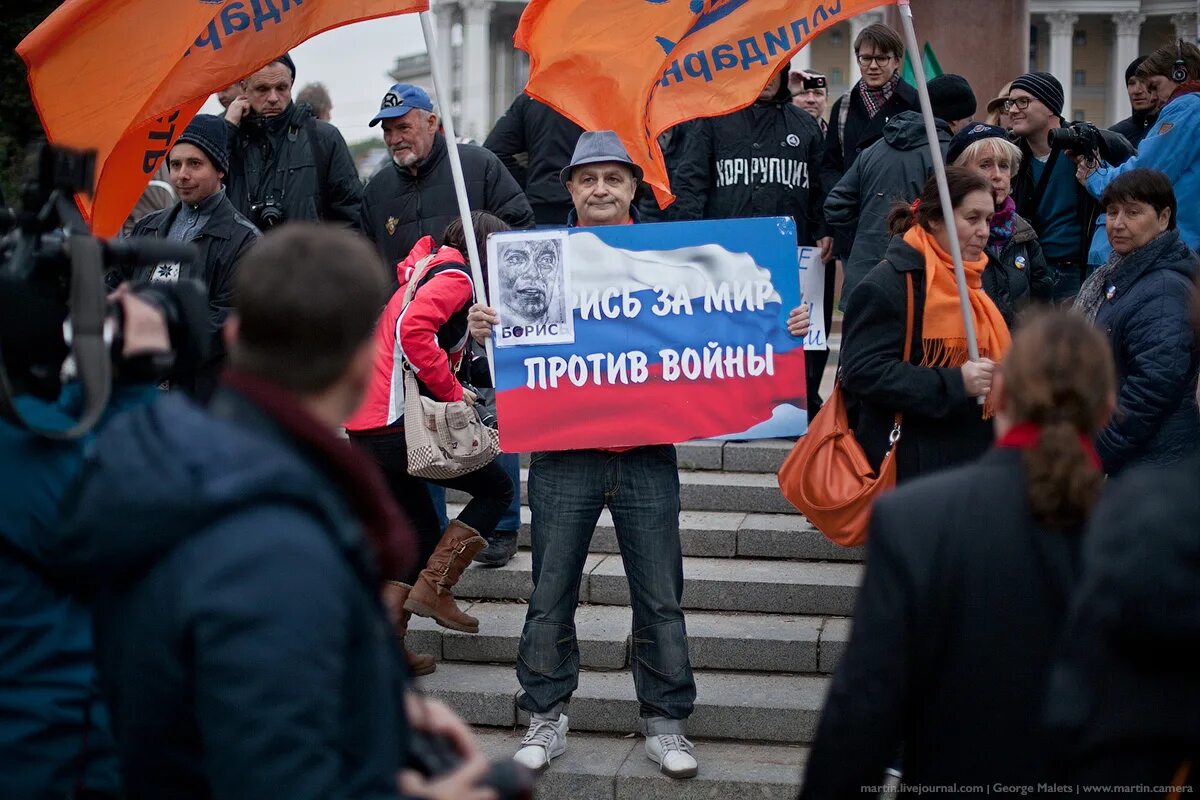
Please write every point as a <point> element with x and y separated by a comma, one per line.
<point>936,388</point>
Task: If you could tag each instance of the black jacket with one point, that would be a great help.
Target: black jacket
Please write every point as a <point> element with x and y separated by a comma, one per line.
<point>1018,276</point>
<point>547,140</point>
<point>954,633</point>
<point>240,637</point>
<point>894,169</point>
<point>761,161</point>
<point>398,208</point>
<point>226,237</point>
<point>1024,189</point>
<point>1148,323</point>
<point>942,427</point>
<point>861,131</point>
<point>1124,699</point>
<point>311,172</point>
<point>1135,128</point>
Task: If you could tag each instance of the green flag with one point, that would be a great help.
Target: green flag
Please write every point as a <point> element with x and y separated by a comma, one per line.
<point>933,68</point>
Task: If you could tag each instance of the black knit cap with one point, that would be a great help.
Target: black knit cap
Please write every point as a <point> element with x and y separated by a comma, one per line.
<point>1132,68</point>
<point>952,98</point>
<point>1045,87</point>
<point>286,60</point>
<point>971,134</point>
<point>208,133</point>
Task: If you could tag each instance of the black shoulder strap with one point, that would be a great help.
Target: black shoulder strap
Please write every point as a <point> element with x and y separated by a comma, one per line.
<point>321,160</point>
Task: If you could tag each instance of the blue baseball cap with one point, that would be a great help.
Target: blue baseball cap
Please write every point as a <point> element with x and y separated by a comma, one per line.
<point>401,99</point>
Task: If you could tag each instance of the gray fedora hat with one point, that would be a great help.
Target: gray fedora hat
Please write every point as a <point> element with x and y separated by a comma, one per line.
<point>596,147</point>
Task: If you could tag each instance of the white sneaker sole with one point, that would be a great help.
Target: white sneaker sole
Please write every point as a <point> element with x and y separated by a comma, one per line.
<point>550,756</point>
<point>677,774</point>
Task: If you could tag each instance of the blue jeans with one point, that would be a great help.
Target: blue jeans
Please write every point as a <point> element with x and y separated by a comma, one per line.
<point>567,492</point>
<point>511,521</point>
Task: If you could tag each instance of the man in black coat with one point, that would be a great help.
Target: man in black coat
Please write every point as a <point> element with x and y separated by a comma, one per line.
<point>285,165</point>
<point>414,195</point>
<point>761,161</point>
<point>205,217</point>
<point>546,139</point>
<point>859,116</point>
<point>1145,107</point>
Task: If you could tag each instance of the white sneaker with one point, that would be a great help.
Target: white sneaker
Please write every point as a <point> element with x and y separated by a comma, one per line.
<point>674,754</point>
<point>546,739</point>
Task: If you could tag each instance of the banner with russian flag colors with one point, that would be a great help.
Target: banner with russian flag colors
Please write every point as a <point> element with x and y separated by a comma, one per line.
<point>647,334</point>
<point>124,77</point>
<point>639,67</point>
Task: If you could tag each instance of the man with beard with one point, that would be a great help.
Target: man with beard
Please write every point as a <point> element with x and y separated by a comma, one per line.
<point>284,165</point>
<point>414,195</point>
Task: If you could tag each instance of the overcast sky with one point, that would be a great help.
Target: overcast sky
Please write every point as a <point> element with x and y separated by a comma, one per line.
<point>352,62</point>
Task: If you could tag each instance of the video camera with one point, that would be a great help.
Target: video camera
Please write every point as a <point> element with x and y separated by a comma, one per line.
<point>53,297</point>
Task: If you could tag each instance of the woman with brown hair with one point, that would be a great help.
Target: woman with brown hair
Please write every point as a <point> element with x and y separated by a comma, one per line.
<point>935,389</point>
<point>967,584</point>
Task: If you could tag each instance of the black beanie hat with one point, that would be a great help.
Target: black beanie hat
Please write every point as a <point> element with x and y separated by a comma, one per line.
<point>208,133</point>
<point>969,136</point>
<point>952,98</point>
<point>286,60</point>
<point>1045,87</point>
<point>1132,68</point>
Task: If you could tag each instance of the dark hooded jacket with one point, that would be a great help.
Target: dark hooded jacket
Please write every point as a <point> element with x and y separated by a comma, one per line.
<point>942,426</point>
<point>240,637</point>
<point>1135,127</point>
<point>1124,696</point>
<point>300,161</point>
<point>547,141</point>
<point>1018,276</point>
<point>398,208</point>
<point>892,170</point>
<point>1147,317</point>
<point>761,161</point>
<point>844,141</point>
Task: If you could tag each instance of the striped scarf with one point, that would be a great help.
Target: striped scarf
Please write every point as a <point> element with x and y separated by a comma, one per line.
<point>876,99</point>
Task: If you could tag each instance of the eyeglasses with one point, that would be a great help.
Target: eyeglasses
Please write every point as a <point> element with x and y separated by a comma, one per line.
<point>881,60</point>
<point>1019,103</point>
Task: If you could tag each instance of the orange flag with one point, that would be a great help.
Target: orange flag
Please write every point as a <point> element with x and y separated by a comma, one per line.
<point>639,67</point>
<point>124,77</point>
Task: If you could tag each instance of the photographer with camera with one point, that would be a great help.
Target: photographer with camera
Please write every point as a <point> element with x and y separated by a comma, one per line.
<point>1172,75</point>
<point>285,165</point>
<point>205,216</point>
<point>1045,189</point>
<point>238,555</point>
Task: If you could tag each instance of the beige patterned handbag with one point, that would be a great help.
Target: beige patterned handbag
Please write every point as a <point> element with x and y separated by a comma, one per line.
<point>445,440</point>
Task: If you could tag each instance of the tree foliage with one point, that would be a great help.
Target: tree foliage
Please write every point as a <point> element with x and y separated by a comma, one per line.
<point>19,124</point>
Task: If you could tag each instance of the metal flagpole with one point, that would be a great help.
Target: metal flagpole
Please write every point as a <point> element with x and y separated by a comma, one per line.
<point>939,171</point>
<point>441,87</point>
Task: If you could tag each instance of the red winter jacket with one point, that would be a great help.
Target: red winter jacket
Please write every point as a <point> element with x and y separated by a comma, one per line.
<point>431,333</point>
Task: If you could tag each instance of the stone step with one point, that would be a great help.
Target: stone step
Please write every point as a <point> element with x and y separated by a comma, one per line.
<point>611,767</point>
<point>762,455</point>
<point>749,642</point>
<point>729,705</point>
<point>718,584</point>
<point>728,534</point>
<point>748,492</point>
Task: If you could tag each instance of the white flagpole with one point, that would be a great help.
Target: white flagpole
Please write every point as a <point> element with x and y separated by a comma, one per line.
<point>441,87</point>
<point>939,171</point>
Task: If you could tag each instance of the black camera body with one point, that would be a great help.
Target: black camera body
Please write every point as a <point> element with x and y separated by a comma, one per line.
<point>1079,138</point>
<point>435,755</point>
<point>268,213</point>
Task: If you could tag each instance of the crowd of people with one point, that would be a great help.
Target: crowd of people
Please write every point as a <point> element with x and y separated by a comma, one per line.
<point>202,599</point>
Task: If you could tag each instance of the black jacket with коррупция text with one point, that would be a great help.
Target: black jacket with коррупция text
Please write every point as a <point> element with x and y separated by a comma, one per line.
<point>299,161</point>
<point>398,207</point>
<point>761,161</point>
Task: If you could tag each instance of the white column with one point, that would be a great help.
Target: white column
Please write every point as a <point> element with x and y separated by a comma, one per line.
<point>802,61</point>
<point>477,62</point>
<point>1186,25</point>
<point>1128,26</point>
<point>1062,43</point>
<point>443,17</point>
<point>857,25</point>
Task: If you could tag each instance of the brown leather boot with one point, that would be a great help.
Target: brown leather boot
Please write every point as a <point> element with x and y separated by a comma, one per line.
<point>430,595</point>
<point>394,596</point>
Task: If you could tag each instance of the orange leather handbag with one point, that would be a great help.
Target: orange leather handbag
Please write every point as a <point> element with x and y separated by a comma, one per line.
<point>827,475</point>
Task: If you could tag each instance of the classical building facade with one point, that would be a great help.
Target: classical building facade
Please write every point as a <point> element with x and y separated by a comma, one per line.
<point>1086,43</point>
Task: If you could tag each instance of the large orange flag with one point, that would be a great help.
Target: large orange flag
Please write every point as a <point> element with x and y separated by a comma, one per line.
<point>639,67</point>
<point>124,77</point>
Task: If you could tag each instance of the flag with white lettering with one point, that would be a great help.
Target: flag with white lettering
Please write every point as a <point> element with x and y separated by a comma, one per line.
<point>124,77</point>
<point>628,335</point>
<point>640,67</point>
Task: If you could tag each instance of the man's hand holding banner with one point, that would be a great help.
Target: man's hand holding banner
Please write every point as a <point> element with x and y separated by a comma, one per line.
<point>679,332</point>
